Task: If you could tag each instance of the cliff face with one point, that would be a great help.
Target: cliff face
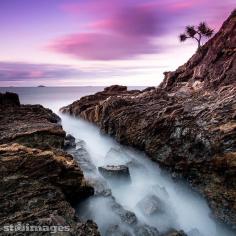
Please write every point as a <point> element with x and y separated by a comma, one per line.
<point>187,124</point>
<point>214,64</point>
<point>38,181</point>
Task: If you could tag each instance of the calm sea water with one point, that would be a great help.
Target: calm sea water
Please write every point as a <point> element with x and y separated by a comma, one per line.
<point>53,97</point>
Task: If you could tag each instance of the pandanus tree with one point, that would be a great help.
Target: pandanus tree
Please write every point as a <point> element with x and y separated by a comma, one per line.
<point>197,33</point>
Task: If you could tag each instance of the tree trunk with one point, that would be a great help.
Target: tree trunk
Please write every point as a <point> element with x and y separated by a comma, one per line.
<point>199,44</point>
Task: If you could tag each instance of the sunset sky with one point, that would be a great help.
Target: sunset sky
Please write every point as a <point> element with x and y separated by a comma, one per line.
<point>98,42</point>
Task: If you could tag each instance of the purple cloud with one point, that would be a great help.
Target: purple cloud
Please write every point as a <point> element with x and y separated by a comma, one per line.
<point>11,72</point>
<point>101,46</point>
<point>123,29</point>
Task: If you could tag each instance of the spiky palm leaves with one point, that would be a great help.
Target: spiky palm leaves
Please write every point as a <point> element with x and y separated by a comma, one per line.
<point>197,33</point>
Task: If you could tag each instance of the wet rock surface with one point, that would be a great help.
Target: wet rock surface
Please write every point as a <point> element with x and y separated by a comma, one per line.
<point>115,172</point>
<point>69,142</point>
<point>126,216</point>
<point>187,124</point>
<point>39,182</point>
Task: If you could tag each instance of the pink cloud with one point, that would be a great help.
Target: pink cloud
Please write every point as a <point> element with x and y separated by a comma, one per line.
<point>36,74</point>
<point>97,46</point>
<point>125,31</point>
<point>121,29</point>
<point>135,20</point>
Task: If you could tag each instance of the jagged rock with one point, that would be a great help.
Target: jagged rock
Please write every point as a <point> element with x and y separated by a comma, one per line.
<point>119,172</point>
<point>187,124</point>
<point>82,106</point>
<point>100,187</point>
<point>37,187</point>
<point>69,142</point>
<point>150,205</point>
<point>148,89</point>
<point>30,125</point>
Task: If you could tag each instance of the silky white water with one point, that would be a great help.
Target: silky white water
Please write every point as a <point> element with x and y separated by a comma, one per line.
<point>185,209</point>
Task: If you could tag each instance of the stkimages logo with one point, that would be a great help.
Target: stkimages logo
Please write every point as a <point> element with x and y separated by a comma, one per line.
<point>19,227</point>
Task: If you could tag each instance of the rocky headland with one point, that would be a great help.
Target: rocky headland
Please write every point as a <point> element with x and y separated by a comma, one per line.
<point>39,182</point>
<point>187,124</point>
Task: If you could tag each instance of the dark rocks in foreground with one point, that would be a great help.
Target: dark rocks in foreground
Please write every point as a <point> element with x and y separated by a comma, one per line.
<point>39,182</point>
<point>187,124</point>
<point>38,187</point>
<point>30,125</point>
<point>9,99</point>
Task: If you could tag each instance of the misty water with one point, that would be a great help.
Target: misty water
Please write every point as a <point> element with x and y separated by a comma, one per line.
<point>119,205</point>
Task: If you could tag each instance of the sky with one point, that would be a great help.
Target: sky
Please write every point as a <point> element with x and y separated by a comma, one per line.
<point>98,42</point>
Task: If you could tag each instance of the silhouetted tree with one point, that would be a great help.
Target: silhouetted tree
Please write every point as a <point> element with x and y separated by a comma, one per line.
<point>197,33</point>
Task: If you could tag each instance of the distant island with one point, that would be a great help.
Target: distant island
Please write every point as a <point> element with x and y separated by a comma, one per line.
<point>41,86</point>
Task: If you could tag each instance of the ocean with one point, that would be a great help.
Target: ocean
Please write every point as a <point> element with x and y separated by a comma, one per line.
<point>53,97</point>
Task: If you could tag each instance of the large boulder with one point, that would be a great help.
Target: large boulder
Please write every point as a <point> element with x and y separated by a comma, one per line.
<point>118,172</point>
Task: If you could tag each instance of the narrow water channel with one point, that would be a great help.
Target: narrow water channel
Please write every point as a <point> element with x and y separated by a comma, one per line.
<point>151,200</point>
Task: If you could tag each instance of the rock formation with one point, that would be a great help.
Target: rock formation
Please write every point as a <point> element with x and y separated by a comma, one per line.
<point>39,182</point>
<point>31,125</point>
<point>187,124</point>
<point>117,173</point>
